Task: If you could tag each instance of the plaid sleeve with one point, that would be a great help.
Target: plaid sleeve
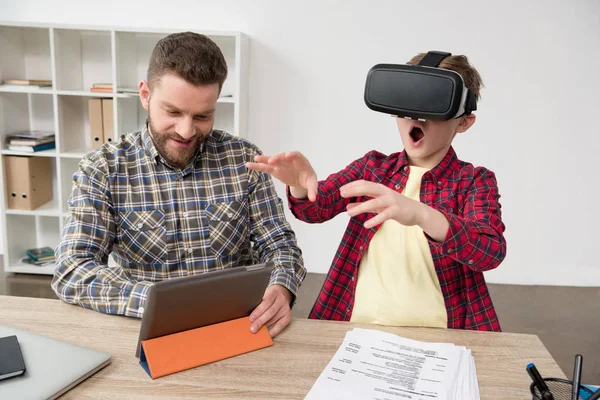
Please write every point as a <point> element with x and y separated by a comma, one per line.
<point>275,240</point>
<point>82,274</point>
<point>476,236</point>
<point>329,202</point>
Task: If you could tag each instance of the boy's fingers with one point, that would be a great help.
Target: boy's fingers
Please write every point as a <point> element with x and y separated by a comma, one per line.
<point>362,188</point>
<point>261,159</point>
<point>376,220</point>
<point>312,187</point>
<point>277,158</point>
<point>269,169</point>
<point>351,206</point>
<point>361,208</point>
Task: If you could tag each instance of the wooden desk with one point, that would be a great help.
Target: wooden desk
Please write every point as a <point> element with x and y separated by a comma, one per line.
<point>286,370</point>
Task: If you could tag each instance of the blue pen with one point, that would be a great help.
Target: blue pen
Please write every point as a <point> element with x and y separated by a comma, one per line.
<point>539,382</point>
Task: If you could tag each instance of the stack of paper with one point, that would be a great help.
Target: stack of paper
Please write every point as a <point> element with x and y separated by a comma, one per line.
<point>372,364</point>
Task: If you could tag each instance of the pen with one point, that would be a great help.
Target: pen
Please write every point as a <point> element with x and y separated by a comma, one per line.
<point>539,382</point>
<point>577,376</point>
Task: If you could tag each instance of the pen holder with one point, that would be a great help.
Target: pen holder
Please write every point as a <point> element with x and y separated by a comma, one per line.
<point>561,389</point>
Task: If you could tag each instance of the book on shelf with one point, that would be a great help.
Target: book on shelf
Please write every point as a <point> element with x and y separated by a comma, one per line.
<point>39,256</point>
<point>33,134</point>
<point>32,149</point>
<point>27,260</point>
<point>29,84</point>
<point>35,82</point>
<point>102,88</point>
<point>102,85</point>
<point>31,141</point>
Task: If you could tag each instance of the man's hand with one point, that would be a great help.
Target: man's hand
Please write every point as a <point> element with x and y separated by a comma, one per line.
<point>274,310</point>
<point>293,169</point>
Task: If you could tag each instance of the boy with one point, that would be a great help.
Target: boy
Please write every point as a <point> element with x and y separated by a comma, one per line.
<point>424,226</point>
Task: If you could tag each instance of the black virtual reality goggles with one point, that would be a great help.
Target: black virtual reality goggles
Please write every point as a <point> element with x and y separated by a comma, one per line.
<point>422,91</point>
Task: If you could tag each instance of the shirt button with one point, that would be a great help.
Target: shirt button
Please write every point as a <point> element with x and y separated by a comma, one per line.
<point>451,209</point>
<point>470,262</point>
<point>348,309</point>
<point>361,248</point>
<point>398,186</point>
<point>404,168</point>
<point>229,215</point>
<point>141,310</point>
<point>440,183</point>
<point>190,250</point>
<point>185,214</point>
<point>352,279</point>
<point>450,250</point>
<point>140,226</point>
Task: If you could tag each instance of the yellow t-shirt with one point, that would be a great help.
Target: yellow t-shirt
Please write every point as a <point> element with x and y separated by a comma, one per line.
<point>397,283</point>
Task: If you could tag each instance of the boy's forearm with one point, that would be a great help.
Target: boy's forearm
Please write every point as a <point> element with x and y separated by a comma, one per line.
<point>473,243</point>
<point>433,223</point>
<point>299,192</point>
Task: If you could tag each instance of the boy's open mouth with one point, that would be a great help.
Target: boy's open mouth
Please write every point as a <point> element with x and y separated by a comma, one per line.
<point>416,134</point>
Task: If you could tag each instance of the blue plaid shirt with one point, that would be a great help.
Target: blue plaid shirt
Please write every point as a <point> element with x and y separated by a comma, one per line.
<point>159,222</point>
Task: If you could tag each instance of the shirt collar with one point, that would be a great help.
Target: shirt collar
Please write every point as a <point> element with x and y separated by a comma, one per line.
<point>438,172</point>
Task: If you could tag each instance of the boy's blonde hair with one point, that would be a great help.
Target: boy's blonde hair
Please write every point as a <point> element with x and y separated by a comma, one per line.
<point>459,64</point>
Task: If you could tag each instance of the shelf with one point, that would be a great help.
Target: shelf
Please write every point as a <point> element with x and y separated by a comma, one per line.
<point>82,93</point>
<point>25,53</point>
<point>27,232</point>
<point>24,89</point>
<point>75,154</point>
<point>74,127</point>
<point>127,95</point>
<point>25,111</point>
<point>22,268</point>
<point>83,57</point>
<point>43,153</point>
<point>50,209</point>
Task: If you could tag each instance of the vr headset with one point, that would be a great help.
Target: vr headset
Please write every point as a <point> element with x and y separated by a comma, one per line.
<point>422,91</point>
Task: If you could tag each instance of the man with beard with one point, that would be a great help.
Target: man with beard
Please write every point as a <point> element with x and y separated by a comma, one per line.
<point>175,199</point>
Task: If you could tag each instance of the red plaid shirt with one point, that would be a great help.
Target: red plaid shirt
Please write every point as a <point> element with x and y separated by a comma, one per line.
<point>466,195</point>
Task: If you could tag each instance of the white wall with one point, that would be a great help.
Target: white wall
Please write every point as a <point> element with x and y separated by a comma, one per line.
<point>537,124</point>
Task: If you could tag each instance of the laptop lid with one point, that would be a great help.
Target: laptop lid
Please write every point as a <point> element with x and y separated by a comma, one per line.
<point>52,366</point>
<point>180,304</point>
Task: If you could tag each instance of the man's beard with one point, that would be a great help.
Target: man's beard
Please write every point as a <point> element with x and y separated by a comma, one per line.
<point>180,157</point>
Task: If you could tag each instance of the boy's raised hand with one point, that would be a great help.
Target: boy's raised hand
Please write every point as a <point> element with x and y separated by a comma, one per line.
<point>291,168</point>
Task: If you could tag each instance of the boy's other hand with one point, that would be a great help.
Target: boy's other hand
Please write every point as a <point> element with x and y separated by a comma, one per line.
<point>293,169</point>
<point>385,202</point>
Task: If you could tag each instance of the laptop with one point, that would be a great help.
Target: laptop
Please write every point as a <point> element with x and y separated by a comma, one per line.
<point>180,304</point>
<point>52,366</point>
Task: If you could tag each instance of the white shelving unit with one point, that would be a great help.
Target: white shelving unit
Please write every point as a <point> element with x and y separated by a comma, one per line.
<point>75,57</point>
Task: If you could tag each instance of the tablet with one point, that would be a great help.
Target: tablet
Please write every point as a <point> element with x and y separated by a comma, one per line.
<point>180,304</point>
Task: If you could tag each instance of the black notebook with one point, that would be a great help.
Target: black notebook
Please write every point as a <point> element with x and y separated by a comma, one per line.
<point>11,359</point>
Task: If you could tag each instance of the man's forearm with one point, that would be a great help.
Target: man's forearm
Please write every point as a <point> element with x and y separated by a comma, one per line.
<point>91,285</point>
